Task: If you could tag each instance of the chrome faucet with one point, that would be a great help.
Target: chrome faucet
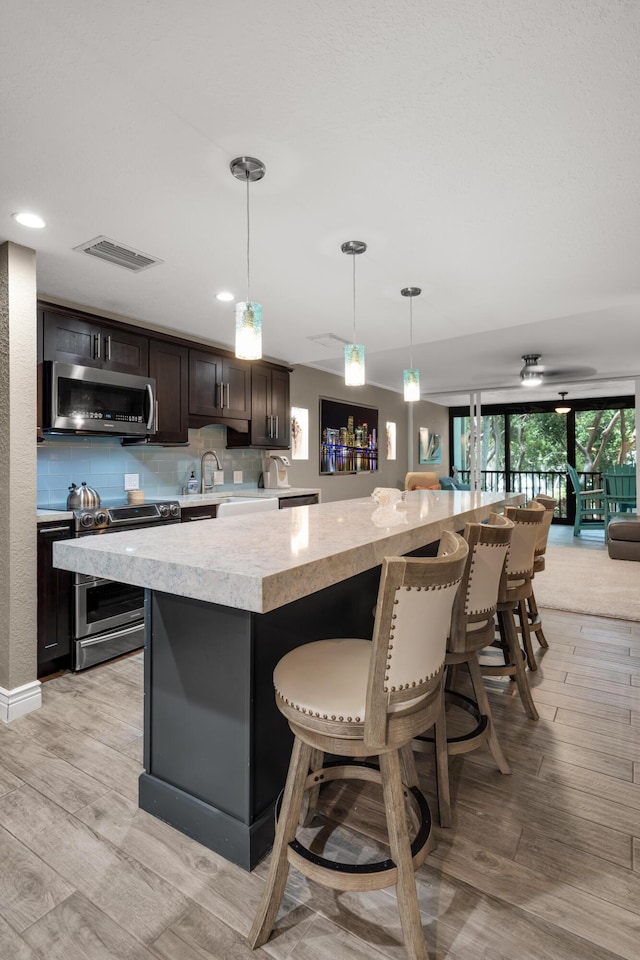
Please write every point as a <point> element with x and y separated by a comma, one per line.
<point>209,455</point>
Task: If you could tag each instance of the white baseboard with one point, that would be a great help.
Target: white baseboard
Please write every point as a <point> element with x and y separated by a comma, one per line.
<point>15,703</point>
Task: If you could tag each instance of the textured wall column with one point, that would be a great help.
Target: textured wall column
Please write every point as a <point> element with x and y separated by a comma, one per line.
<point>19,689</point>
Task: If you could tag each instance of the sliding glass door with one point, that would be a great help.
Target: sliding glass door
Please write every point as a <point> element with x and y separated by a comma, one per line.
<point>526,447</point>
<point>604,438</point>
<point>538,455</point>
<point>492,458</point>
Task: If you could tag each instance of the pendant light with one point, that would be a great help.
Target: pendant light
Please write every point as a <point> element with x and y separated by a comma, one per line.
<point>563,406</point>
<point>411,377</point>
<point>354,352</point>
<point>248,313</point>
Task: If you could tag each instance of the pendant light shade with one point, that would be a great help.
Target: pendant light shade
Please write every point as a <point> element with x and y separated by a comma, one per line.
<point>354,352</point>
<point>563,406</point>
<point>248,312</point>
<point>411,377</point>
<point>354,365</point>
<point>248,330</point>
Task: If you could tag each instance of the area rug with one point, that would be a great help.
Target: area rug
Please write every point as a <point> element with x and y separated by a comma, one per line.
<point>588,581</point>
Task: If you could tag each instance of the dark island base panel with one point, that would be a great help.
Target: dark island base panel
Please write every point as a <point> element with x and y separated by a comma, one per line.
<point>216,746</point>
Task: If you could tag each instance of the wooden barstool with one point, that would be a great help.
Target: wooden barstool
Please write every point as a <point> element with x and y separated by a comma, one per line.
<point>518,587</point>
<point>530,608</point>
<point>472,629</point>
<point>358,698</point>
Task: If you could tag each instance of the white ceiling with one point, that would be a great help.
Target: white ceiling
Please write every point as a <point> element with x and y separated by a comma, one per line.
<point>487,152</point>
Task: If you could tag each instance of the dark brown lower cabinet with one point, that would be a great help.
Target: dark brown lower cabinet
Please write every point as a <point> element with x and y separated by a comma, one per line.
<point>203,512</point>
<point>54,602</point>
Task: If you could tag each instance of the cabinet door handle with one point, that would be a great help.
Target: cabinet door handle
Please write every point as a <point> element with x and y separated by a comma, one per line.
<point>277,433</point>
<point>107,347</point>
<point>97,346</point>
<point>56,530</point>
<point>228,386</point>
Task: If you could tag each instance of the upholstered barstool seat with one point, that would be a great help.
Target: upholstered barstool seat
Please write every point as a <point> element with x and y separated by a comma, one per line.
<point>306,680</point>
<point>357,699</point>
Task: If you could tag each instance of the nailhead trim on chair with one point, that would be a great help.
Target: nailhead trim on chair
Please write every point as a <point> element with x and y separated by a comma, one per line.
<point>394,616</point>
<point>394,689</point>
<point>524,523</point>
<point>311,713</point>
<point>470,579</point>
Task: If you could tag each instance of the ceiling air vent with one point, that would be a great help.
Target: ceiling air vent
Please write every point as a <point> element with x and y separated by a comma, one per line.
<point>112,252</point>
<point>329,340</point>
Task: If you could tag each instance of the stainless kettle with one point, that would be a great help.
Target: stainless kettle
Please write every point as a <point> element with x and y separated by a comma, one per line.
<point>81,497</point>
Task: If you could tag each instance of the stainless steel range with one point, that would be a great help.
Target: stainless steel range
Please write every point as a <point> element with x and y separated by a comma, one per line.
<point>109,616</point>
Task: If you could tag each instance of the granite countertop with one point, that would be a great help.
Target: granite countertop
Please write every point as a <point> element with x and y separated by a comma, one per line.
<point>266,560</point>
<point>193,499</point>
<point>44,515</point>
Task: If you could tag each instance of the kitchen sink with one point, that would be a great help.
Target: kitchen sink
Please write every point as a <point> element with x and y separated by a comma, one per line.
<point>236,506</point>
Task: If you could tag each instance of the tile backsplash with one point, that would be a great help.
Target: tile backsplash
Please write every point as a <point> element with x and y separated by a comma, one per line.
<point>163,471</point>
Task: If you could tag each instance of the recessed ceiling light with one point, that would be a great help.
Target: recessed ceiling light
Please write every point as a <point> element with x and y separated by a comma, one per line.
<point>29,220</point>
<point>225,295</point>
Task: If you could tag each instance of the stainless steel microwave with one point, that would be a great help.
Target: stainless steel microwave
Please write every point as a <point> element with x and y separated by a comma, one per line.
<point>91,400</point>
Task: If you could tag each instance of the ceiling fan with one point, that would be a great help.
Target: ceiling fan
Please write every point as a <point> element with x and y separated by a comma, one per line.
<point>534,373</point>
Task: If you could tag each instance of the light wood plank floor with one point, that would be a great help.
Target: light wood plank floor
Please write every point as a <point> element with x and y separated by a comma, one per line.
<point>544,863</point>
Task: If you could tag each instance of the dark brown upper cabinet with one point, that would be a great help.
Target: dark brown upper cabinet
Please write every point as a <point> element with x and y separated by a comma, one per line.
<point>219,387</point>
<point>169,366</point>
<point>72,339</point>
<point>270,426</point>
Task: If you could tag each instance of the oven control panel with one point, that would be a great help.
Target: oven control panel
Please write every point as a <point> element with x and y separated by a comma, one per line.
<point>128,517</point>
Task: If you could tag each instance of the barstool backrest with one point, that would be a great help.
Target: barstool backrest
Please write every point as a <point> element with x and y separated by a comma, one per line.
<point>482,581</point>
<point>413,617</point>
<point>524,537</point>
<point>549,505</point>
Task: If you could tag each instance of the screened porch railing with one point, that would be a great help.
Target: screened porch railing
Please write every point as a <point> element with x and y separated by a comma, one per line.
<point>549,483</point>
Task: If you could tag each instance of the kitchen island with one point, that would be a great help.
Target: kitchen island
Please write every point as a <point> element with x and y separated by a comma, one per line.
<point>225,600</point>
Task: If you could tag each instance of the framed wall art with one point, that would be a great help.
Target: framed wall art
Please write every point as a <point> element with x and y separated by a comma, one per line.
<point>391,440</point>
<point>348,437</point>
<point>299,433</point>
<point>430,446</point>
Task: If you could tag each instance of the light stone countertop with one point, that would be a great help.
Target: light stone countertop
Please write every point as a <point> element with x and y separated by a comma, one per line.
<point>44,514</point>
<point>195,499</point>
<point>266,560</point>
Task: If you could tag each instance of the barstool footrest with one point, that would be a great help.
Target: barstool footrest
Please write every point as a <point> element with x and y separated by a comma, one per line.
<point>466,742</point>
<point>381,873</point>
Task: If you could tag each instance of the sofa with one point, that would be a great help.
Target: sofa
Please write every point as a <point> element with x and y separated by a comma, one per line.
<point>425,480</point>
<point>624,537</point>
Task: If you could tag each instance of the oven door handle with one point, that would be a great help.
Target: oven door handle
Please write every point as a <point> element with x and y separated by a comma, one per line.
<point>91,581</point>
<point>113,635</point>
